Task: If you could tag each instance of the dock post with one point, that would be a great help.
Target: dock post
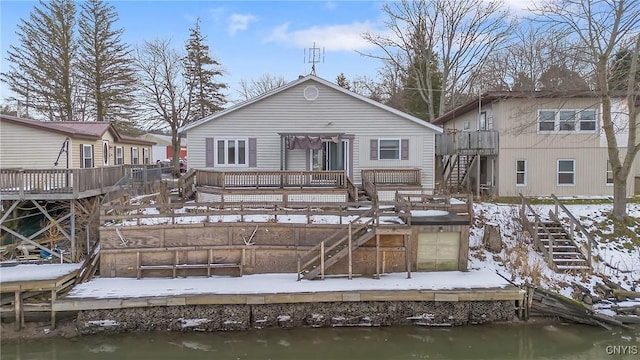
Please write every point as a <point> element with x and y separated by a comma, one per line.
<point>18,310</point>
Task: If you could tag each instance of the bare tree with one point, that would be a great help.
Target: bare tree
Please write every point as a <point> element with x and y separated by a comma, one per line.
<point>460,34</point>
<point>165,95</point>
<point>601,29</point>
<point>256,87</point>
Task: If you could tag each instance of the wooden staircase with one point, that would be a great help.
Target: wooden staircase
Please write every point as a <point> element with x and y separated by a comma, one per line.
<point>564,253</point>
<point>327,253</point>
<point>554,241</point>
<point>456,170</point>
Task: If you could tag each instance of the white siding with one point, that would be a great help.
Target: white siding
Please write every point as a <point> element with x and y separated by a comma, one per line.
<point>26,147</point>
<point>519,140</point>
<point>332,112</point>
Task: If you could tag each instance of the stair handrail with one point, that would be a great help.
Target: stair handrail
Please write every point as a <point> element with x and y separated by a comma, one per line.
<point>468,167</point>
<point>548,253</point>
<point>574,221</point>
<point>340,235</point>
<point>352,190</point>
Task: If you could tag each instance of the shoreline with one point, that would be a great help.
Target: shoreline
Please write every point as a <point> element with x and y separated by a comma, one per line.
<point>67,329</point>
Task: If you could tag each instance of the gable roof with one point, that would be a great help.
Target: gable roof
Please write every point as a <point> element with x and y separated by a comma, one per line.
<point>302,80</point>
<point>74,129</point>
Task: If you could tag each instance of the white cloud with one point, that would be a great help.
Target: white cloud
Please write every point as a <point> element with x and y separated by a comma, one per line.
<point>345,37</point>
<point>240,22</point>
<point>330,5</point>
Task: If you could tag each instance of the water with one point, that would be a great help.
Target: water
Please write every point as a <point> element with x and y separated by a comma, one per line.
<point>530,341</point>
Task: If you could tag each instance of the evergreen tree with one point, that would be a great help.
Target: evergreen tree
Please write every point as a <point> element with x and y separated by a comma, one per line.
<point>342,81</point>
<point>105,64</point>
<point>620,72</point>
<point>40,70</point>
<point>422,87</point>
<point>200,73</point>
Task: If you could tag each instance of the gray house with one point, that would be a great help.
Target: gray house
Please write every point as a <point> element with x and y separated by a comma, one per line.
<point>535,144</point>
<point>312,124</point>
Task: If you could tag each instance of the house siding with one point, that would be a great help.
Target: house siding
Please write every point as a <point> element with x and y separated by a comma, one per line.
<point>25,147</point>
<point>332,112</point>
<point>516,120</point>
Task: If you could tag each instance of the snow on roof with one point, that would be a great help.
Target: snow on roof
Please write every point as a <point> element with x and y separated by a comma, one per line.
<point>110,288</point>
<point>36,272</point>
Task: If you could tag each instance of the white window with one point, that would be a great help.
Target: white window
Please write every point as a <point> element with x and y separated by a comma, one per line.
<point>87,156</point>
<point>389,149</point>
<point>145,156</point>
<point>521,172</point>
<point>232,152</point>
<point>566,172</point>
<point>466,125</point>
<point>135,159</point>
<point>567,120</point>
<point>482,121</point>
<point>587,119</point>
<point>119,155</point>
<point>609,173</point>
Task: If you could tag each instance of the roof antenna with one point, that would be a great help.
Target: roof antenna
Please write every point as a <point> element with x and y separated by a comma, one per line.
<point>314,56</point>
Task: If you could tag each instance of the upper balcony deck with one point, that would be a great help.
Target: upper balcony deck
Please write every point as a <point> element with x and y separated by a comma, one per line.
<point>467,143</point>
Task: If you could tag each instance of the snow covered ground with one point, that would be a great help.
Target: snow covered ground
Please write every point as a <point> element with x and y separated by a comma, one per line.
<point>616,258</point>
<point>618,254</point>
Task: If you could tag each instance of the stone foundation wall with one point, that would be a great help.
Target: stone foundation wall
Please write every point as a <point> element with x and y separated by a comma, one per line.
<point>245,317</point>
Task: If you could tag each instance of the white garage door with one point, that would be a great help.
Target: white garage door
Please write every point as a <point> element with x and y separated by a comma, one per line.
<point>438,251</point>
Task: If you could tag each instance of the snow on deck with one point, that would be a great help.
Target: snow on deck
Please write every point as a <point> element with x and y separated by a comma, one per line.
<point>119,288</point>
<point>36,272</point>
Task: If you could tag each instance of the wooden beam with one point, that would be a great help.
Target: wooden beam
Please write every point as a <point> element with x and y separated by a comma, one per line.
<point>46,214</point>
<point>30,241</point>
<point>11,208</point>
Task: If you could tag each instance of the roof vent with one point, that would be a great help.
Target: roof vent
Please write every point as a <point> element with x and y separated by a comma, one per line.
<point>311,92</point>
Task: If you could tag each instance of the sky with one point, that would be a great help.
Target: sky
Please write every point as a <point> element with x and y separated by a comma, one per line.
<point>248,38</point>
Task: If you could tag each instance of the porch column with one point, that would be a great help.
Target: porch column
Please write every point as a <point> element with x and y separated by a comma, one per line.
<point>283,159</point>
<point>340,154</point>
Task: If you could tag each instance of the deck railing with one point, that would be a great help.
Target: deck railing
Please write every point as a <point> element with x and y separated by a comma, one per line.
<point>18,181</point>
<point>392,176</point>
<point>467,143</point>
<point>271,179</point>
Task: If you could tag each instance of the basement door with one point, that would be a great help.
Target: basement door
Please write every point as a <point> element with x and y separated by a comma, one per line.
<point>438,251</point>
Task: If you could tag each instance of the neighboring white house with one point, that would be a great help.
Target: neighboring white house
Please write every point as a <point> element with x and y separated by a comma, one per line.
<point>535,144</point>
<point>162,149</point>
<point>312,124</point>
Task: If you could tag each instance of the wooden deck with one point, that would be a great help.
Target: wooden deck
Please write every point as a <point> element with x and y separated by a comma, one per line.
<point>69,184</point>
<point>42,292</point>
<point>511,293</point>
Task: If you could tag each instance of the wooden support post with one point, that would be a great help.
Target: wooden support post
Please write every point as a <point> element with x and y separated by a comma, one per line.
<point>407,250</point>
<point>210,261</point>
<point>377,256</point>
<point>322,260</point>
<point>175,262</point>
<point>350,255</point>
<point>18,310</point>
<point>54,294</point>
<point>73,232</point>
<point>138,272</point>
